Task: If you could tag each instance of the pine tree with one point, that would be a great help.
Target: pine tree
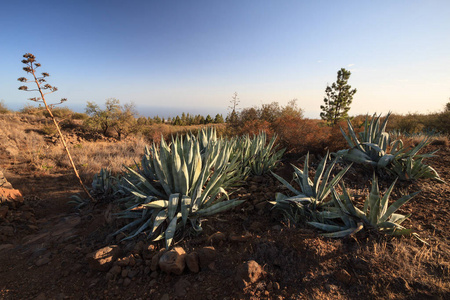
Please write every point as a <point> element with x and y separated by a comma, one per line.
<point>338,99</point>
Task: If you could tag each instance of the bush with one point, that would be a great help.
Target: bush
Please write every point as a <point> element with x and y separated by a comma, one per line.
<point>3,108</point>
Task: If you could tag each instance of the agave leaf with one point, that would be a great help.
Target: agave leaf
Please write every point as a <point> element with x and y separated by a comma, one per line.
<point>396,205</point>
<point>173,205</point>
<point>374,201</point>
<point>143,180</point>
<point>358,156</point>
<point>347,138</point>
<point>185,208</point>
<point>170,231</point>
<point>343,233</point>
<point>301,198</point>
<point>159,219</point>
<point>306,182</point>
<point>398,218</point>
<point>218,207</point>
<point>140,229</point>
<point>285,183</point>
<point>385,160</point>
<point>384,201</point>
<point>327,227</point>
<point>156,204</point>
<point>319,172</point>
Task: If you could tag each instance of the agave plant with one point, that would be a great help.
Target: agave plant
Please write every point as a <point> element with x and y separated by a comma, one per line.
<point>103,183</point>
<point>409,165</point>
<point>256,154</point>
<point>313,193</point>
<point>374,147</point>
<point>376,214</point>
<point>372,144</point>
<point>177,187</point>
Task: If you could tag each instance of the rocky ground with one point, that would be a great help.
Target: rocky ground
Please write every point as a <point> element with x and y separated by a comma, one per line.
<point>48,250</point>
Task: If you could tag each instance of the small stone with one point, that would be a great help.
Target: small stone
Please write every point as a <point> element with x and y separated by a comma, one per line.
<point>216,238</point>
<point>115,270</point>
<point>165,297</point>
<point>173,261</point>
<point>206,256</point>
<point>240,237</point>
<point>192,262</point>
<point>249,272</point>
<point>343,276</point>
<point>42,261</point>
<point>102,259</point>
<point>181,287</point>
<point>153,282</point>
<point>126,282</point>
<point>154,274</point>
<point>155,259</point>
<point>123,262</point>
<point>3,211</point>
<point>132,273</point>
<point>124,273</point>
<point>138,247</point>
<point>256,226</point>
<point>6,230</point>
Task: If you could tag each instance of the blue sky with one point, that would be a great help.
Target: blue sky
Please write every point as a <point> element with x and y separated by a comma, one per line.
<point>174,56</point>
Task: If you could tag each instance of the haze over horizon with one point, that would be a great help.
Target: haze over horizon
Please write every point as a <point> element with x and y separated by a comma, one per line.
<point>192,56</point>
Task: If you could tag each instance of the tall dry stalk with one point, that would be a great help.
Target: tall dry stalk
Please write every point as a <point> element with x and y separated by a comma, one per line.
<point>31,66</point>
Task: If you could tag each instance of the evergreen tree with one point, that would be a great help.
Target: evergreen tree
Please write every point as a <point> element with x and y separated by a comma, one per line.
<point>338,99</point>
<point>208,119</point>
<point>218,119</point>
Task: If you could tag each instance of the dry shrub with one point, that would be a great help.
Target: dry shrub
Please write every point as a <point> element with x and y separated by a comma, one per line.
<point>336,140</point>
<point>301,135</point>
<point>254,127</point>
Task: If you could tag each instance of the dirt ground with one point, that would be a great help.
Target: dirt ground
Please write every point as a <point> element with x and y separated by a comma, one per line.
<point>45,257</point>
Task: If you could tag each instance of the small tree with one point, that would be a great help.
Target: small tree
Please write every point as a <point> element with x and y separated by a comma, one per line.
<point>338,99</point>
<point>44,88</point>
<point>102,118</point>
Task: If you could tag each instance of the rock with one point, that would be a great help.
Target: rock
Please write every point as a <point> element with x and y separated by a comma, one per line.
<point>6,230</point>
<point>126,282</point>
<point>240,237</point>
<point>43,260</point>
<point>165,297</point>
<point>102,259</point>
<point>148,251</point>
<point>343,276</point>
<point>3,211</point>
<point>192,262</point>
<point>41,296</point>
<point>3,182</point>
<point>256,226</point>
<point>125,273</point>
<point>181,287</point>
<point>248,273</point>
<point>206,256</point>
<point>154,275</point>
<point>115,270</point>
<point>155,259</point>
<point>216,238</point>
<point>132,273</point>
<point>123,262</point>
<point>173,261</point>
<point>11,196</point>
<point>138,247</point>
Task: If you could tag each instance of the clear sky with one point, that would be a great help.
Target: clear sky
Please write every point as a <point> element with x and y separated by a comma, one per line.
<point>193,55</point>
